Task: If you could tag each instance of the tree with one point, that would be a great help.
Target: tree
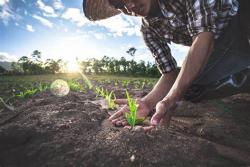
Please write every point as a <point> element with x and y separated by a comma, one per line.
<point>16,68</point>
<point>85,66</point>
<point>36,55</point>
<point>2,70</point>
<point>132,51</point>
<point>117,66</point>
<point>25,63</point>
<point>124,64</point>
<point>141,68</point>
<point>53,66</point>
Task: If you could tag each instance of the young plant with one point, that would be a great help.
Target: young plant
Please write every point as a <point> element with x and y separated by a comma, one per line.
<point>100,92</point>
<point>132,116</point>
<point>42,87</point>
<point>75,86</point>
<point>27,93</point>
<point>143,83</point>
<point>125,83</point>
<point>116,83</point>
<point>110,97</point>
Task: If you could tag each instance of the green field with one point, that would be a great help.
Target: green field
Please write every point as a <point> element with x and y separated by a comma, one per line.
<point>10,86</point>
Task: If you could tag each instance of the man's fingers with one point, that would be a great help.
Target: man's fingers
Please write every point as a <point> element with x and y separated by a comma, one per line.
<point>141,128</point>
<point>121,101</point>
<point>148,128</point>
<point>117,119</point>
<point>120,122</point>
<point>159,114</point>
<point>119,113</point>
<point>125,122</point>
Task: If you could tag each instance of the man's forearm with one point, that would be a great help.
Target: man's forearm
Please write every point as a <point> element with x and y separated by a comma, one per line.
<point>197,58</point>
<point>161,88</point>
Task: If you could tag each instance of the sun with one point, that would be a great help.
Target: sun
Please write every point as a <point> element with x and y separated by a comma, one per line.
<point>72,67</point>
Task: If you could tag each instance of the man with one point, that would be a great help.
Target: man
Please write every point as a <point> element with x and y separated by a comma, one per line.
<point>219,54</point>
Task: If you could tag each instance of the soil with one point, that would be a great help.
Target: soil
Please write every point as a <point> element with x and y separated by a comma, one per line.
<point>46,130</point>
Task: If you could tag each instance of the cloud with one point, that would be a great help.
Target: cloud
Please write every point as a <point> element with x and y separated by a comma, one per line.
<point>179,52</point>
<point>7,57</point>
<point>74,15</point>
<point>99,36</point>
<point>6,13</point>
<point>120,25</point>
<point>3,2</point>
<point>58,4</point>
<point>30,28</point>
<point>43,21</point>
<point>180,48</point>
<point>48,10</point>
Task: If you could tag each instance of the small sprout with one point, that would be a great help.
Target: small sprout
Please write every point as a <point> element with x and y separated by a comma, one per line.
<point>27,93</point>
<point>110,97</point>
<point>42,87</point>
<point>90,86</point>
<point>100,92</point>
<point>132,117</point>
<point>75,86</point>
<point>143,83</point>
<point>125,83</point>
<point>116,83</point>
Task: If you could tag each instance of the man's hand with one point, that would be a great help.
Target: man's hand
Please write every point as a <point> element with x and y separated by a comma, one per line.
<point>119,119</point>
<point>163,114</point>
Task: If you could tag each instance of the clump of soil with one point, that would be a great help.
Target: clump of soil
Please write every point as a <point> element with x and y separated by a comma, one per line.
<point>46,130</point>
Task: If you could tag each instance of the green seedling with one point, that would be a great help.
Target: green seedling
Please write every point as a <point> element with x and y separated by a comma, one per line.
<point>116,83</point>
<point>27,93</point>
<point>100,92</point>
<point>125,83</point>
<point>97,91</point>
<point>132,117</point>
<point>110,97</point>
<point>143,83</point>
<point>11,108</point>
<point>75,86</point>
<point>87,82</point>
<point>42,87</point>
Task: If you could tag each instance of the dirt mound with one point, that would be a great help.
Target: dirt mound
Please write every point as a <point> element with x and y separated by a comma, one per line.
<point>72,131</point>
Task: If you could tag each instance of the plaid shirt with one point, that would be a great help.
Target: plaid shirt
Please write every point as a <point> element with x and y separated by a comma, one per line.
<point>180,21</point>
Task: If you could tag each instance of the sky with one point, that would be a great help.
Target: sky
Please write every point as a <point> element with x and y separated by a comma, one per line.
<point>59,30</point>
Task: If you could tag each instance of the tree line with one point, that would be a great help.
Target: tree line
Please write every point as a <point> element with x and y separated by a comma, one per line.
<point>33,64</point>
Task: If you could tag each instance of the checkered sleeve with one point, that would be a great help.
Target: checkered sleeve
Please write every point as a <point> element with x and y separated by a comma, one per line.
<point>209,15</point>
<point>160,51</point>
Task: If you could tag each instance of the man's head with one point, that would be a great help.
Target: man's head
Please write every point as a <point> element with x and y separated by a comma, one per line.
<point>102,9</point>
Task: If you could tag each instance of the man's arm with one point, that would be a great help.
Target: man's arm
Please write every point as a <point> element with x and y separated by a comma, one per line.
<point>194,63</point>
<point>161,88</point>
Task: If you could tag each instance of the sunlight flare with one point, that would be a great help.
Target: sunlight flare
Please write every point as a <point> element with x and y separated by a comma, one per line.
<point>73,67</point>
